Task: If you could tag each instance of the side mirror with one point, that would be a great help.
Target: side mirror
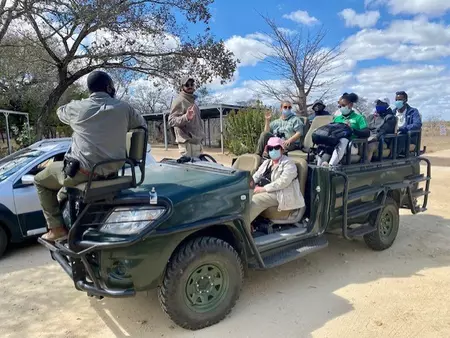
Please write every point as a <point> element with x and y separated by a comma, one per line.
<point>28,179</point>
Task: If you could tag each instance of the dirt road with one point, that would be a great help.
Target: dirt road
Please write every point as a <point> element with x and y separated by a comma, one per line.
<point>343,291</point>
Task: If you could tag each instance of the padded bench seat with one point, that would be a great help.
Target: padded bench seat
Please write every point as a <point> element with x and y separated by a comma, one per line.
<point>104,188</point>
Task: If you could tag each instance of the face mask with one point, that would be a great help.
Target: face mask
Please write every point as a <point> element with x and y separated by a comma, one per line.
<point>345,111</point>
<point>287,112</point>
<point>399,104</point>
<point>316,109</point>
<point>381,109</point>
<point>275,154</point>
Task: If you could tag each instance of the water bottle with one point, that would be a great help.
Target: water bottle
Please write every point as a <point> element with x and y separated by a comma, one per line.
<point>153,196</point>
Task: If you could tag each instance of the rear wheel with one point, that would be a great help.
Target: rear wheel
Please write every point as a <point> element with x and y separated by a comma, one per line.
<point>202,283</point>
<point>387,227</point>
<point>3,241</point>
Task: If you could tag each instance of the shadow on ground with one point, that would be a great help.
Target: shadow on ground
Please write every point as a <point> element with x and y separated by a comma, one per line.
<point>296,299</point>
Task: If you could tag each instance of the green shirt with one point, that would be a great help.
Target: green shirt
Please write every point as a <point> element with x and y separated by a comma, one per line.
<point>289,127</point>
<point>356,120</point>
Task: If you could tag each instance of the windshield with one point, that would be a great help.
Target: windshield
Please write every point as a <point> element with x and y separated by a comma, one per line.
<point>12,163</point>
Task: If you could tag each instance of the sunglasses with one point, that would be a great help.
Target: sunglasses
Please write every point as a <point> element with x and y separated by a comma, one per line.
<point>269,148</point>
<point>287,107</point>
<point>189,85</point>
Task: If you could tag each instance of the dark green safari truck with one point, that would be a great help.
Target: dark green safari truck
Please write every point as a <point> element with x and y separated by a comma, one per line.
<point>183,225</point>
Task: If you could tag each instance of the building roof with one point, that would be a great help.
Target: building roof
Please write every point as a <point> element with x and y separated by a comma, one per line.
<point>206,112</point>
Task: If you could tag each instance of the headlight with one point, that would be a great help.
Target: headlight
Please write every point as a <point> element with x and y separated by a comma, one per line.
<point>130,220</point>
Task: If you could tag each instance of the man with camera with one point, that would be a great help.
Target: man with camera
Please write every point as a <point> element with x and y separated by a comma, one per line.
<point>100,124</point>
<point>288,127</point>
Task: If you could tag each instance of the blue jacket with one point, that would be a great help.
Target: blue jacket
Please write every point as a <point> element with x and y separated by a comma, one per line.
<point>413,119</point>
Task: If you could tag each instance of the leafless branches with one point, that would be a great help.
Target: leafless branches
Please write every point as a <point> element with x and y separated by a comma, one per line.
<point>302,62</point>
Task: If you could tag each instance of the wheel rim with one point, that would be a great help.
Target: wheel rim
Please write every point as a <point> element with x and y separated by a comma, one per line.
<point>386,224</point>
<point>206,287</point>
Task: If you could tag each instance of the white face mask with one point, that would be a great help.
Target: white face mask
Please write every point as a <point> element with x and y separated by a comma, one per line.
<point>345,111</point>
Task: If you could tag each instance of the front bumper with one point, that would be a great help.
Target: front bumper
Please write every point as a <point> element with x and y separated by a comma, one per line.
<point>80,270</point>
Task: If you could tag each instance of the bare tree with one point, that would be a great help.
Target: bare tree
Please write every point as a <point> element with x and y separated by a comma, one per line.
<point>135,35</point>
<point>151,98</point>
<point>302,61</point>
<point>9,10</point>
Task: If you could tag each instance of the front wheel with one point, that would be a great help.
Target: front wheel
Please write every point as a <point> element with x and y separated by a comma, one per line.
<point>387,227</point>
<point>202,283</point>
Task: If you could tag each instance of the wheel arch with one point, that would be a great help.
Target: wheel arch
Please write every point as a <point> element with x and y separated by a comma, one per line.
<point>225,232</point>
<point>395,195</point>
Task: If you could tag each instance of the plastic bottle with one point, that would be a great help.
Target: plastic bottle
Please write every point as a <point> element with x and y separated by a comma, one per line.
<point>153,196</point>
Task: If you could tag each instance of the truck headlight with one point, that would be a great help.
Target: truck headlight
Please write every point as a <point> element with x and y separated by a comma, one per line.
<point>130,220</point>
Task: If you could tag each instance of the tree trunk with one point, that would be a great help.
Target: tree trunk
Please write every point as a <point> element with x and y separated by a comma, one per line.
<point>49,106</point>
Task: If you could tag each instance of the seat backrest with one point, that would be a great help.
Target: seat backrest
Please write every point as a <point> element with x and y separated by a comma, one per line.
<point>302,170</point>
<point>248,162</point>
<point>318,121</point>
<point>136,145</point>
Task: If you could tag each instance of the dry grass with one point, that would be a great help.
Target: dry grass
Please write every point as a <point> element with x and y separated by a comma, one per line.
<point>436,143</point>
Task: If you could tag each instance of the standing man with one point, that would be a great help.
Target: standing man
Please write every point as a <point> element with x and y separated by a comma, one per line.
<point>408,119</point>
<point>100,124</point>
<point>186,120</point>
<point>289,127</point>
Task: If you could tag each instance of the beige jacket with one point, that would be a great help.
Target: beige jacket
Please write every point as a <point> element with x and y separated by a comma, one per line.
<point>185,130</point>
<point>284,182</point>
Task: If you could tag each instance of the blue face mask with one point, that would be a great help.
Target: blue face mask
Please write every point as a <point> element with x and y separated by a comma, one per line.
<point>381,109</point>
<point>345,111</point>
<point>399,104</point>
<point>287,112</point>
<point>275,154</point>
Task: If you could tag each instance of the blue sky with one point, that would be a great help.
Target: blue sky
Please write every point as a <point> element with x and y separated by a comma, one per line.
<point>389,45</point>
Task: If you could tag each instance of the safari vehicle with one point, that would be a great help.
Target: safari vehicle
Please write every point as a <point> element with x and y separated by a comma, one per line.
<point>183,226</point>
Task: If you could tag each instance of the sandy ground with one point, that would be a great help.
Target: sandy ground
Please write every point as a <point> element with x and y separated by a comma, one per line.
<point>345,290</point>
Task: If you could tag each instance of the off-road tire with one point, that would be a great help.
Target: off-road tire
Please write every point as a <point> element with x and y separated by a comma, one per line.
<point>3,241</point>
<point>186,262</point>
<point>377,240</point>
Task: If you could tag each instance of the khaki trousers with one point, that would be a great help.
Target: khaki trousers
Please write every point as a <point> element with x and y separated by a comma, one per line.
<point>48,182</point>
<point>261,202</point>
<point>189,149</point>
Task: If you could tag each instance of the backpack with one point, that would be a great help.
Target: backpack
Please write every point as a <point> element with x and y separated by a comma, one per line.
<point>330,134</point>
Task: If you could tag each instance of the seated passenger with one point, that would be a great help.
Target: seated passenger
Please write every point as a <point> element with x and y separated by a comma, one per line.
<point>276,182</point>
<point>381,122</point>
<point>355,121</point>
<point>319,110</point>
<point>289,127</point>
<point>408,119</point>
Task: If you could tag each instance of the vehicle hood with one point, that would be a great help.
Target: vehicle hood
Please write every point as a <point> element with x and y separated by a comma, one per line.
<point>179,182</point>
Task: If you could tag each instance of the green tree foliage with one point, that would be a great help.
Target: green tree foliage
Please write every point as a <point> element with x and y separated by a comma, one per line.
<point>242,130</point>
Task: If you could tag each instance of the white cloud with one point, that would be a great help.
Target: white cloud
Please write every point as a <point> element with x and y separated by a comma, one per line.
<point>301,17</point>
<point>287,31</point>
<point>403,40</point>
<point>428,7</point>
<point>423,83</point>
<point>364,20</point>
<point>249,49</point>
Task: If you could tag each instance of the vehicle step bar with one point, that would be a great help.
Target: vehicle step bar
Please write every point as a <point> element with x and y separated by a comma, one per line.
<point>417,179</point>
<point>292,252</point>
<point>361,231</point>
<point>362,209</point>
<point>264,243</point>
<point>419,193</point>
<point>414,194</point>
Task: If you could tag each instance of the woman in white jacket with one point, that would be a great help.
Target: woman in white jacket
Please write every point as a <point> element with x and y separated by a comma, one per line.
<point>276,182</point>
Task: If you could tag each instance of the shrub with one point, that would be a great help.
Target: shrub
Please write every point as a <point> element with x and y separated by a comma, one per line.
<point>242,130</point>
